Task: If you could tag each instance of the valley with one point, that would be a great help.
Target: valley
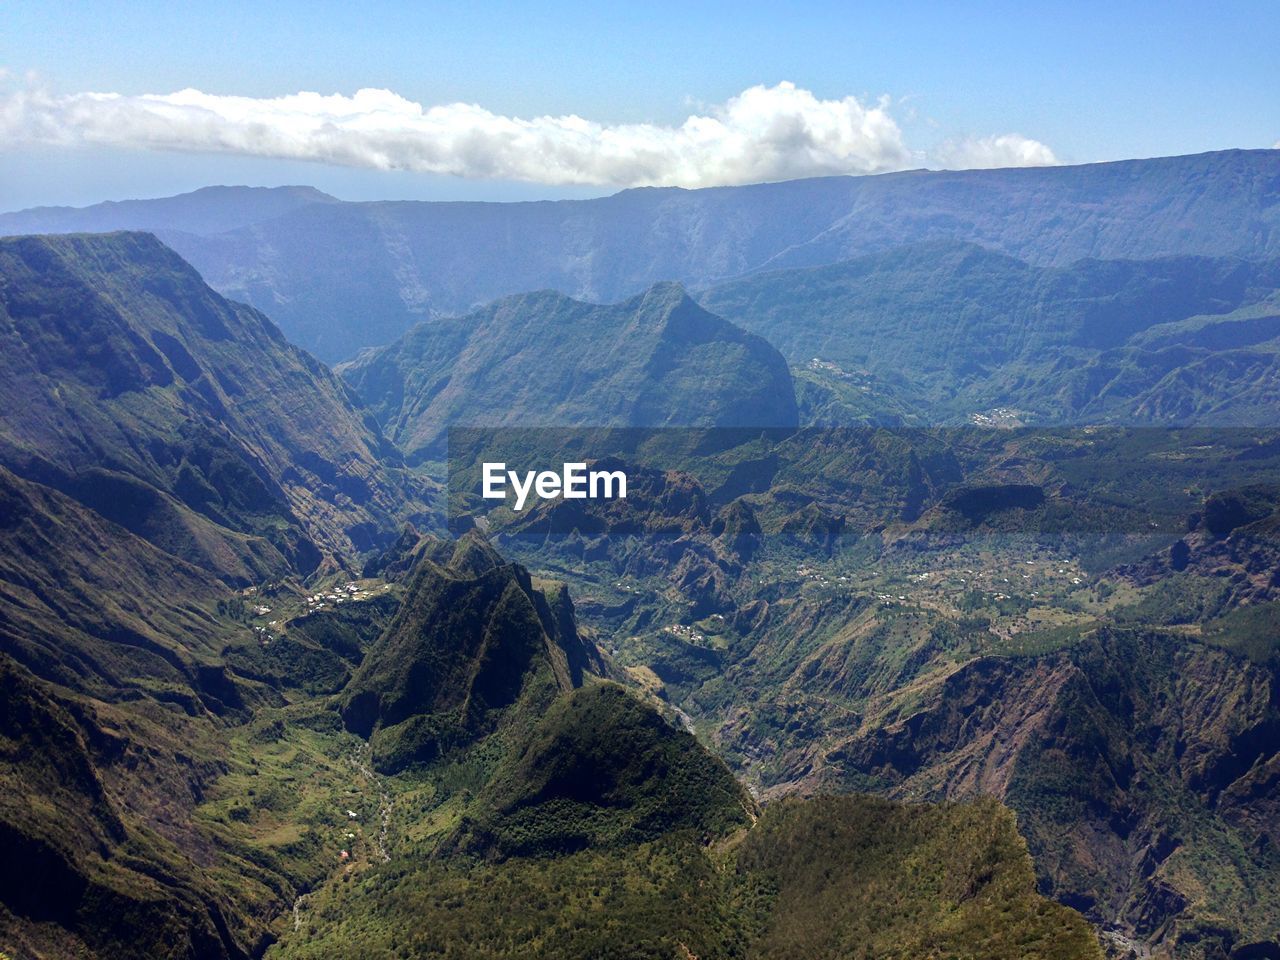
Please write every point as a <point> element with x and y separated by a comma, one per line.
<point>940,617</point>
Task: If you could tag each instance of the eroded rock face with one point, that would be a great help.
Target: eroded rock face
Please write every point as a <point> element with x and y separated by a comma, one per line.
<point>1118,755</point>
<point>666,527</point>
<point>1233,540</point>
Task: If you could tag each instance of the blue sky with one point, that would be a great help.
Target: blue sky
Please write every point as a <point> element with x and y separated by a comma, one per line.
<point>1074,82</point>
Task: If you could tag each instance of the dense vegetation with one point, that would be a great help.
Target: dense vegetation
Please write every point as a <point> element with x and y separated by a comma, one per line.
<point>246,711</point>
<point>834,878</point>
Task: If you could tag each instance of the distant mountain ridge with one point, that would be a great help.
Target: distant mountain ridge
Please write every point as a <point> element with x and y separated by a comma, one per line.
<point>341,276</point>
<point>207,210</point>
<point>950,328</point>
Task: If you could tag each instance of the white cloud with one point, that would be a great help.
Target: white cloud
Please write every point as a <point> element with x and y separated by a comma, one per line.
<point>1006,150</point>
<point>763,133</point>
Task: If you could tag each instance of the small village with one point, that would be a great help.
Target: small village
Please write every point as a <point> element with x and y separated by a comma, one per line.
<point>338,595</point>
<point>288,602</point>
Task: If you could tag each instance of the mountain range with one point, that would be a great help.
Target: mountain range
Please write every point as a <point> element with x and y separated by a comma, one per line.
<point>209,759</point>
<point>340,276</point>
<point>940,618</point>
<point>942,331</point>
<point>187,419</point>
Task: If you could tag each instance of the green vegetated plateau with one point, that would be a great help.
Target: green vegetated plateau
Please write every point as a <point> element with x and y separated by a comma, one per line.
<point>983,690</point>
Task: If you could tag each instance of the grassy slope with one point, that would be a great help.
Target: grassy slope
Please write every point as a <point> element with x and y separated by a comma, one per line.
<point>835,877</point>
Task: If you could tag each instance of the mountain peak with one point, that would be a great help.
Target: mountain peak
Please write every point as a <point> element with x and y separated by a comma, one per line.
<point>656,360</point>
<point>473,641</point>
<point>665,291</point>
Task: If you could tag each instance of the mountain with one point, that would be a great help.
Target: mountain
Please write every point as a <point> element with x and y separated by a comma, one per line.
<point>571,788</point>
<point>206,211</point>
<point>88,875</point>
<point>1031,663</point>
<point>341,276</point>
<point>1134,782</point>
<point>543,359</point>
<point>126,382</point>
<point>113,697</point>
<point>557,815</point>
<point>949,330</point>
<point>1079,622</point>
<point>91,606</point>
<point>922,881</point>
<point>147,447</point>
<point>474,643</point>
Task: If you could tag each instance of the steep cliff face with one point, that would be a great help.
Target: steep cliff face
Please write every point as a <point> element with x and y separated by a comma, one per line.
<point>1230,553</point>
<point>188,419</point>
<point>88,605</point>
<point>159,446</point>
<point>474,647</point>
<point>1138,765</point>
<point>111,696</point>
<point>97,867</point>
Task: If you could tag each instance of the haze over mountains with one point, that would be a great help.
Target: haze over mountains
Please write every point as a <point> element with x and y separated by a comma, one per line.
<point>939,331</point>
<point>340,276</point>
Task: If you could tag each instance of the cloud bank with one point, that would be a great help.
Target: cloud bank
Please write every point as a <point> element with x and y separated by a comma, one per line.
<point>764,133</point>
<point>1006,150</point>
